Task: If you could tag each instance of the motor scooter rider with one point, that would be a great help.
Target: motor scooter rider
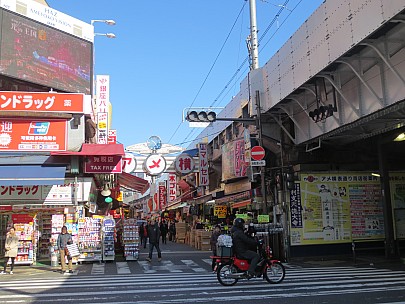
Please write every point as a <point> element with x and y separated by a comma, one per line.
<point>242,243</point>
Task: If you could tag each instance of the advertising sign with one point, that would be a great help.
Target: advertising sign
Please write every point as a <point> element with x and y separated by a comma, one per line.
<point>51,17</point>
<point>172,185</point>
<point>336,208</point>
<point>203,165</point>
<point>53,194</point>
<point>233,160</point>
<point>128,163</point>
<point>32,135</point>
<point>112,136</point>
<point>220,211</point>
<point>40,54</point>
<point>102,92</point>
<point>102,128</point>
<point>103,164</point>
<point>41,102</point>
<point>162,195</point>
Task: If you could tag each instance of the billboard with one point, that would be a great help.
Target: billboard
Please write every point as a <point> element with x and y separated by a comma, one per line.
<point>36,53</point>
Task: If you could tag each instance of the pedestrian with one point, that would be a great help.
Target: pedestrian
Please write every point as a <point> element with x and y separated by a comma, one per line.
<point>172,229</point>
<point>214,238</point>
<point>154,237</point>
<point>143,233</point>
<point>164,228</point>
<point>64,239</point>
<point>11,247</point>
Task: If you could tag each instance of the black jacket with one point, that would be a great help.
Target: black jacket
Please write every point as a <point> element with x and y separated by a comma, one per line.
<point>241,242</point>
<point>154,233</point>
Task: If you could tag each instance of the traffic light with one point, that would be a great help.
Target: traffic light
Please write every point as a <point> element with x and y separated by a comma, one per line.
<point>290,180</point>
<point>202,116</point>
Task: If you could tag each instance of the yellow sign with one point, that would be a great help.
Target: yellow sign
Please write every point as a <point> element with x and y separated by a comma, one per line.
<point>120,196</point>
<point>220,211</point>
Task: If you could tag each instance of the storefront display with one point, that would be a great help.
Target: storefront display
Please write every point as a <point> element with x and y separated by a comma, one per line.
<point>45,236</point>
<point>130,239</point>
<point>108,236</point>
<point>89,239</point>
<point>24,226</point>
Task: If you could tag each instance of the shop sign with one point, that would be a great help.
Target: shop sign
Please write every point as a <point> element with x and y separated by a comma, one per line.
<point>32,135</point>
<point>112,136</point>
<point>220,211</point>
<point>6,208</point>
<point>22,218</point>
<point>242,216</point>
<point>41,102</point>
<point>172,185</point>
<point>102,93</point>
<point>154,164</point>
<point>233,160</point>
<point>128,163</point>
<point>184,164</point>
<point>203,164</point>
<point>102,128</point>
<point>48,194</point>
<point>162,195</point>
<point>103,164</point>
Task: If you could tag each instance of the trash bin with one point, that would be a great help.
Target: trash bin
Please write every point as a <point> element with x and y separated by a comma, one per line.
<point>54,257</point>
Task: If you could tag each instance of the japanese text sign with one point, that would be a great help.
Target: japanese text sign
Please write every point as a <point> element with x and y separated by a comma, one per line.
<point>203,161</point>
<point>102,128</point>
<point>32,135</point>
<point>104,164</point>
<point>220,211</point>
<point>172,185</point>
<point>41,102</point>
<point>184,164</point>
<point>162,195</point>
<point>103,92</point>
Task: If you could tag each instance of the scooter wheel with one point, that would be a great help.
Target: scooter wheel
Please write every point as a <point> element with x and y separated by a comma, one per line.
<point>223,272</point>
<point>275,272</point>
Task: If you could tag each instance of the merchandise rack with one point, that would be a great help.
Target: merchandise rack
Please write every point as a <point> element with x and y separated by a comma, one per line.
<point>89,239</point>
<point>108,232</point>
<point>130,238</point>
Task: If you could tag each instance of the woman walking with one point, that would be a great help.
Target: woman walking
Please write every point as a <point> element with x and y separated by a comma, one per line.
<point>11,247</point>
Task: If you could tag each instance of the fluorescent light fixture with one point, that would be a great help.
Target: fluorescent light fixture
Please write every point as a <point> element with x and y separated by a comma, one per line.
<point>400,137</point>
<point>375,174</point>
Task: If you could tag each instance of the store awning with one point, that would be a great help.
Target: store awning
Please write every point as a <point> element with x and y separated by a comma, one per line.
<point>133,182</point>
<point>95,149</point>
<point>31,175</point>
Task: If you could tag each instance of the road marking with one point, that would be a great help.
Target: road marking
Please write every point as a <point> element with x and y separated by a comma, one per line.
<point>122,268</point>
<point>98,268</point>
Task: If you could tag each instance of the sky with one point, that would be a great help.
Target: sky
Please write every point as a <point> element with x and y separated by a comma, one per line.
<point>170,55</point>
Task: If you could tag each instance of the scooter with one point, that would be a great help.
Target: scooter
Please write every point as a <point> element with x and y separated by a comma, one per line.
<point>232,269</point>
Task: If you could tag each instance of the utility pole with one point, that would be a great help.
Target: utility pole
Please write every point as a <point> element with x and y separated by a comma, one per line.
<point>254,52</point>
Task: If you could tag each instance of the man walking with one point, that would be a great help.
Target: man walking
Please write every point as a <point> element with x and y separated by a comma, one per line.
<point>154,236</point>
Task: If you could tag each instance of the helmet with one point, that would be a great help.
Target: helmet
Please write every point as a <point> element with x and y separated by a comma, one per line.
<point>239,222</point>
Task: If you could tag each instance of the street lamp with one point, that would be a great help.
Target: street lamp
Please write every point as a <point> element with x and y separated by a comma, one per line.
<point>108,35</point>
<point>109,22</point>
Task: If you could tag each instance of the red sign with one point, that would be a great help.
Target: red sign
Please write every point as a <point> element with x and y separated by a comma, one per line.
<point>22,218</point>
<point>112,136</point>
<point>257,153</point>
<point>103,164</point>
<point>32,135</point>
<point>41,102</point>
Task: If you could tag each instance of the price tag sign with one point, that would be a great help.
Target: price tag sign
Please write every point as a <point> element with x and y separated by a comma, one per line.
<point>242,216</point>
<point>220,211</point>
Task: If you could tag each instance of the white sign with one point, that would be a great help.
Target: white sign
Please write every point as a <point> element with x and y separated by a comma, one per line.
<point>51,17</point>
<point>203,165</point>
<point>154,164</point>
<point>102,128</point>
<point>102,93</point>
<point>49,193</point>
<point>128,163</point>
<point>258,163</point>
<point>184,164</point>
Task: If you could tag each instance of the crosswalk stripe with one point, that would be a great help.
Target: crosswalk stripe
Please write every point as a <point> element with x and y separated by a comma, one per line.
<point>122,268</point>
<point>303,282</point>
<point>98,268</point>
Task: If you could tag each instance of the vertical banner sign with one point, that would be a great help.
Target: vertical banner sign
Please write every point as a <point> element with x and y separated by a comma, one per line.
<point>162,195</point>
<point>172,185</point>
<point>203,168</point>
<point>102,128</point>
<point>102,99</point>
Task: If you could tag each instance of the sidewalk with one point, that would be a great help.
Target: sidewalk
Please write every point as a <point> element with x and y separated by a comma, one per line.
<point>377,261</point>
